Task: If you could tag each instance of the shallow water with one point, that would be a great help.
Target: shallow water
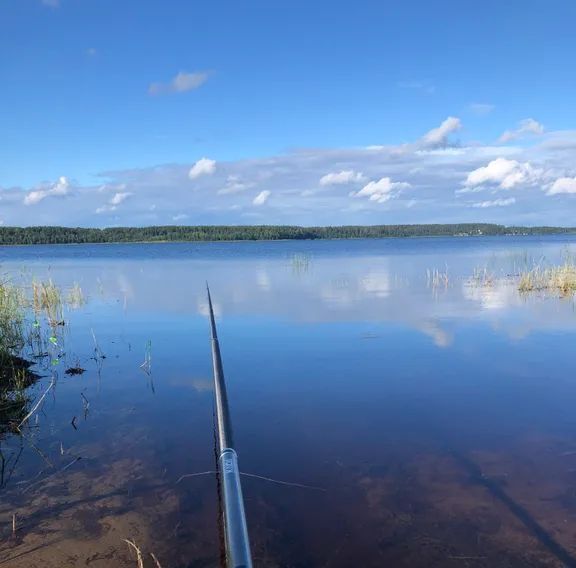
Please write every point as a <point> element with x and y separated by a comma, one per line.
<point>430,415</point>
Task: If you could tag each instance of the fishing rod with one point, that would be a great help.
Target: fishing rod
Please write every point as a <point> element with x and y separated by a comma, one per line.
<point>235,528</point>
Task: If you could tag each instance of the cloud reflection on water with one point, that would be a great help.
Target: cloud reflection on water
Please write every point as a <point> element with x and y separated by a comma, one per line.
<point>362,287</point>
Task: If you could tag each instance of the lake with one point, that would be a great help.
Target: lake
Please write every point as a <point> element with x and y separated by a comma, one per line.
<point>420,410</point>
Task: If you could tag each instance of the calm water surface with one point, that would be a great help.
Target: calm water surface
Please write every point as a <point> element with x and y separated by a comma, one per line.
<point>423,418</point>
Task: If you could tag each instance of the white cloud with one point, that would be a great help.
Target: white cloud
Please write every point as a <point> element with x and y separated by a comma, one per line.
<point>114,201</point>
<point>203,167</point>
<point>438,136</point>
<point>481,109</point>
<point>341,178</point>
<point>504,174</point>
<point>61,187</point>
<point>297,197</point>
<point>181,83</point>
<point>234,185</point>
<point>262,197</point>
<point>51,3</point>
<point>179,217</point>
<point>381,190</point>
<point>91,51</point>
<point>119,197</point>
<point>495,203</point>
<point>563,185</point>
<point>525,127</point>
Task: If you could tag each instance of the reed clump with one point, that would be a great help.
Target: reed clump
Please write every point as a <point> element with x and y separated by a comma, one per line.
<point>12,299</point>
<point>483,277</point>
<point>47,297</point>
<point>22,336</point>
<point>560,279</point>
<point>15,376</point>
<point>437,278</point>
<point>300,262</point>
<point>75,298</point>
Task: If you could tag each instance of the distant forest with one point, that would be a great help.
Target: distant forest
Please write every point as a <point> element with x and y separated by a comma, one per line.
<point>69,235</point>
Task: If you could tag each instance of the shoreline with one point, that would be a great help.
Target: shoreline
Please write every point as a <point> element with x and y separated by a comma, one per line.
<point>214,241</point>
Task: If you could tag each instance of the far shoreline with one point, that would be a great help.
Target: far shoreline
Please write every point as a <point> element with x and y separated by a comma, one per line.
<point>229,241</point>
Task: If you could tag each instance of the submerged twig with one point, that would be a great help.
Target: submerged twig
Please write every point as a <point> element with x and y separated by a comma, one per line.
<point>39,451</point>
<point>138,552</point>
<point>98,353</point>
<point>158,565</point>
<point>146,366</point>
<point>86,404</point>
<point>76,459</point>
<point>52,383</point>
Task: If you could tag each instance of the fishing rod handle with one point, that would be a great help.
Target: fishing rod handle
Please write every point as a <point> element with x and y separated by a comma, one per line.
<point>237,543</point>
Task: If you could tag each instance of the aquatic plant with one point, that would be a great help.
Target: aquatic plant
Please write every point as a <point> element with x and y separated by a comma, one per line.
<point>24,337</point>
<point>14,374</point>
<point>11,320</point>
<point>534,277</point>
<point>75,298</point>
<point>146,366</point>
<point>560,279</point>
<point>300,262</point>
<point>482,277</point>
<point>47,297</point>
<point>437,279</point>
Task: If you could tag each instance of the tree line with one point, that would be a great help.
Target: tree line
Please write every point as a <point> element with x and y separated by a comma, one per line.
<point>78,235</point>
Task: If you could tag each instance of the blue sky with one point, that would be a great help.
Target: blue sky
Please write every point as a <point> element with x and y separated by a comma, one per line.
<point>300,112</point>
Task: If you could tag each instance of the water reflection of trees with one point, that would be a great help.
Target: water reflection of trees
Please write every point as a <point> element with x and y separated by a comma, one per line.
<point>15,379</point>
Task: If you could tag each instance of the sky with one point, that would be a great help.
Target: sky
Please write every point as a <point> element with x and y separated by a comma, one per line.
<point>122,113</point>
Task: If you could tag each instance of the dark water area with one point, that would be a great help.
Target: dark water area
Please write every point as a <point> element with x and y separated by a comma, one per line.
<point>421,413</point>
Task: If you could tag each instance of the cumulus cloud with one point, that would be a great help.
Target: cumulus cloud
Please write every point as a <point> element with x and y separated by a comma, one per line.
<point>381,190</point>
<point>525,127</point>
<point>503,173</point>
<point>181,83</point>
<point>60,188</point>
<point>234,184</point>
<point>262,197</point>
<point>114,201</point>
<point>203,167</point>
<point>164,192</point>
<point>341,178</point>
<point>118,198</point>
<point>563,185</point>
<point>439,136</point>
<point>495,203</point>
